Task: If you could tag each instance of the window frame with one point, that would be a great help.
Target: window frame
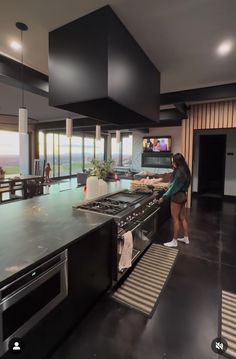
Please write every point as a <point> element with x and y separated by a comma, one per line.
<point>78,134</point>
<point>122,135</point>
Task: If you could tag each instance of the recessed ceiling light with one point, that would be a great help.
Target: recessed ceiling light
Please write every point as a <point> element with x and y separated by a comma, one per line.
<point>16,46</point>
<point>225,47</point>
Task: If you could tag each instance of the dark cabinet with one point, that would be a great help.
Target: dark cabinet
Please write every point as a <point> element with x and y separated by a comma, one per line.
<point>163,213</point>
<point>89,277</point>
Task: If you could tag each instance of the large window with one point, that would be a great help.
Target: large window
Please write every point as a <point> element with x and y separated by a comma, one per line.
<point>99,150</point>
<point>41,146</point>
<point>64,148</point>
<point>76,155</point>
<point>49,150</point>
<point>88,151</point>
<point>56,172</point>
<point>127,144</point>
<point>9,152</point>
<point>115,152</point>
<point>121,153</point>
<point>68,157</point>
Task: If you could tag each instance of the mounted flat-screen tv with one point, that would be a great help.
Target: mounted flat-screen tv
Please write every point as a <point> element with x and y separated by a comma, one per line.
<point>157,144</point>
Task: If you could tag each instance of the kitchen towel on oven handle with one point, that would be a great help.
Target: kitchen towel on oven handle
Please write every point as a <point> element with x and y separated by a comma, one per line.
<point>126,251</point>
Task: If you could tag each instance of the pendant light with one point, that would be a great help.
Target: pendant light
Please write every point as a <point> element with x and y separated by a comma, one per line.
<point>118,136</point>
<point>98,132</point>
<point>23,112</point>
<point>69,127</point>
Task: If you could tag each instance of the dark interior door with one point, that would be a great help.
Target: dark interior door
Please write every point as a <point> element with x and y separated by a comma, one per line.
<point>211,173</point>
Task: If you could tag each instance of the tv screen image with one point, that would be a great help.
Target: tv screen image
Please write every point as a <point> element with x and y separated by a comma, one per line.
<point>157,144</point>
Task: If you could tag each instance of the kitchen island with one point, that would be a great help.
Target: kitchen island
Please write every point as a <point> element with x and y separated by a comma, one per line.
<point>35,230</point>
<point>32,232</point>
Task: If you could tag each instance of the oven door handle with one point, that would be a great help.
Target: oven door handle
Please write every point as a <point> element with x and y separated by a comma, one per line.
<point>146,219</point>
<point>152,214</point>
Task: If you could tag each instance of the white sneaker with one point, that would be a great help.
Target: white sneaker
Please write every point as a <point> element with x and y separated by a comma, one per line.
<point>173,243</point>
<point>184,240</point>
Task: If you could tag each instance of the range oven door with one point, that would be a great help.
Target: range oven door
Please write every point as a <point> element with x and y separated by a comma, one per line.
<point>24,302</point>
<point>145,231</point>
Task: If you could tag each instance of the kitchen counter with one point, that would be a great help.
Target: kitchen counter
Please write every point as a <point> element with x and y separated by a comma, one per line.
<point>37,228</point>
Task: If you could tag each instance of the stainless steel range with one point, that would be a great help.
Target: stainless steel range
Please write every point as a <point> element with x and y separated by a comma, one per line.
<point>127,207</point>
<point>132,210</point>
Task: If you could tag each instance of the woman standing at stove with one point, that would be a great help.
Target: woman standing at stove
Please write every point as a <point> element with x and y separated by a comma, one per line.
<point>177,192</point>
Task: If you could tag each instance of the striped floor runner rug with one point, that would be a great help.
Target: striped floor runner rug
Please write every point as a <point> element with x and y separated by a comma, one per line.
<point>228,321</point>
<point>144,285</point>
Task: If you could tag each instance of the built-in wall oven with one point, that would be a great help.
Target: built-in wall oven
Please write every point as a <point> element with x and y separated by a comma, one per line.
<point>25,301</point>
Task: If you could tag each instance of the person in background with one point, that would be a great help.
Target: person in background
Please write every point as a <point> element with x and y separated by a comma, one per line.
<point>149,144</point>
<point>156,145</point>
<point>177,192</point>
<point>2,173</point>
<point>47,172</point>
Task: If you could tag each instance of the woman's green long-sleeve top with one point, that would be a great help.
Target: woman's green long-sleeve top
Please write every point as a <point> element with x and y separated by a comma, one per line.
<point>179,183</point>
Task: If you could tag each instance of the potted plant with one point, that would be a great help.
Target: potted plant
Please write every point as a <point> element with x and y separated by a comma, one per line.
<point>101,169</point>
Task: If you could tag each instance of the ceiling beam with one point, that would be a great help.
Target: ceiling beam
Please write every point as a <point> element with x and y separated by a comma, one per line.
<point>34,81</point>
<point>182,108</point>
<point>87,124</point>
<point>199,95</point>
<point>171,115</point>
<point>38,83</point>
<point>169,123</point>
<point>166,118</point>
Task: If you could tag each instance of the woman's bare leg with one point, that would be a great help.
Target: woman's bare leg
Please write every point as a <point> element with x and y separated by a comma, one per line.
<point>184,221</point>
<point>175,214</point>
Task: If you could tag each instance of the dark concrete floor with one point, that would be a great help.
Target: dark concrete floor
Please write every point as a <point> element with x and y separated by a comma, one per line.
<point>186,319</point>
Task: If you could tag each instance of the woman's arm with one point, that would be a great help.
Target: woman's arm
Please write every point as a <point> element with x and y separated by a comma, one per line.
<point>175,186</point>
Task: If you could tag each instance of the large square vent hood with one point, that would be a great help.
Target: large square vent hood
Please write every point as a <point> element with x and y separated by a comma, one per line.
<point>97,69</point>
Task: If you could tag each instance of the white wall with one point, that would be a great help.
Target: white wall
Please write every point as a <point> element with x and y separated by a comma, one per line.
<point>230,163</point>
<point>174,132</point>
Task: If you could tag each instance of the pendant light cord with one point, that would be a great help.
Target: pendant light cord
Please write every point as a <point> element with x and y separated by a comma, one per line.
<point>22,68</point>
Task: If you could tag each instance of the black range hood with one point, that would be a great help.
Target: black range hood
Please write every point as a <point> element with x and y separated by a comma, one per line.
<point>97,69</point>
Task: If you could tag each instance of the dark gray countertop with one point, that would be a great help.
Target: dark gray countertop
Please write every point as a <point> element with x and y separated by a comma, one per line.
<point>33,229</point>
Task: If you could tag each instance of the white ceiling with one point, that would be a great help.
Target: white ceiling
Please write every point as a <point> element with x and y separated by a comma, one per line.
<point>179,36</point>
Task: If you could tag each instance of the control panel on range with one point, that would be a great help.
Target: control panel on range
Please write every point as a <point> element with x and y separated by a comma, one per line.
<point>138,213</point>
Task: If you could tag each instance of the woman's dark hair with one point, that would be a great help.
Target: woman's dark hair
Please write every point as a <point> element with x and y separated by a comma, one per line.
<point>181,167</point>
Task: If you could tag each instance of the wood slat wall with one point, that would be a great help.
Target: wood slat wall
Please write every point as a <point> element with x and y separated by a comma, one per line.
<point>205,116</point>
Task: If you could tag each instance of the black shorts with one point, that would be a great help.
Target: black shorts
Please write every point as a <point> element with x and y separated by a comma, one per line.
<point>179,197</point>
